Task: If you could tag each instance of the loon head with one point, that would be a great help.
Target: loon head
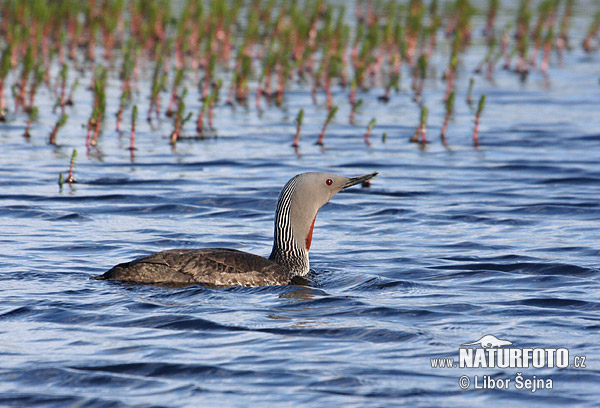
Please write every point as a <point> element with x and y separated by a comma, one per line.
<point>299,202</point>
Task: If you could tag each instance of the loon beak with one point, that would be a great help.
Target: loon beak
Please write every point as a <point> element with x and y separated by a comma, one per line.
<point>352,181</point>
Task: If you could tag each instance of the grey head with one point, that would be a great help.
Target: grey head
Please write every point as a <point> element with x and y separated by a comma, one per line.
<point>299,202</point>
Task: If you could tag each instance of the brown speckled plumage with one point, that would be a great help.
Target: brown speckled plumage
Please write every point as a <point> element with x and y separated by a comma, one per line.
<point>214,266</point>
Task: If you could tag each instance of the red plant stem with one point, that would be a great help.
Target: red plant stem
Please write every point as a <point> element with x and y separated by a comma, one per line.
<point>490,70</point>
<point>423,134</point>
<point>367,137</point>
<point>420,88</point>
<point>52,140</point>
<point>450,84</point>
<point>89,132</point>
<point>2,99</point>
<point>206,83</point>
<point>26,134</point>
<point>314,90</point>
<point>476,132</point>
<point>63,101</point>
<point>32,91</point>
<point>415,136</point>
<point>175,135</point>
<point>96,132</point>
<point>546,58</point>
<point>157,105</point>
<point>267,90</point>
<point>132,138</point>
<point>70,178</point>
<point>200,122</point>
<point>20,99</point>
<point>258,93</point>
<point>210,114</point>
<point>281,86</point>
<point>297,137</point>
<point>119,117</point>
<point>179,59</point>
<point>322,135</point>
<point>230,95</point>
<point>328,92</point>
<point>444,128</point>
<point>343,76</point>
<point>172,101</point>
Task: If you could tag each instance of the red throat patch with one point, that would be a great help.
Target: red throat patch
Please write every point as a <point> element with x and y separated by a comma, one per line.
<point>309,236</point>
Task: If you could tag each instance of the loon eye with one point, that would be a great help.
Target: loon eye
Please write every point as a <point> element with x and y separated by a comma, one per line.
<point>329,182</point>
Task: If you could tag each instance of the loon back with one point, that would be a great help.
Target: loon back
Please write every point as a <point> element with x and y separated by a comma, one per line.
<point>213,266</point>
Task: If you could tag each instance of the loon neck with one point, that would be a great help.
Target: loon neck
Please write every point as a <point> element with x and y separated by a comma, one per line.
<point>292,238</point>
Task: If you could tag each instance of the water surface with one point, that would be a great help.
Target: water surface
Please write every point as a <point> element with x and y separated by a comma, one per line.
<point>445,246</point>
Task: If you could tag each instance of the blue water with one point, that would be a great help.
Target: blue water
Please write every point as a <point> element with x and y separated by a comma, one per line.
<point>445,246</point>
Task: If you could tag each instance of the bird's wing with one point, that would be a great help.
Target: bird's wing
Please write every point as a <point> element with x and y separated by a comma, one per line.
<point>214,266</point>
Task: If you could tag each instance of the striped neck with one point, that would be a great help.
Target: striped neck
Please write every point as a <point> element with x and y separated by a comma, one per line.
<point>289,249</point>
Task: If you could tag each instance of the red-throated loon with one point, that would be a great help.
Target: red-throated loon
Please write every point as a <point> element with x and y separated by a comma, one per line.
<point>297,207</point>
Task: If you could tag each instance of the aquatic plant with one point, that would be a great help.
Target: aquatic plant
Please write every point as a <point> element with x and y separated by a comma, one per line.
<point>62,99</point>
<point>5,66</point>
<point>449,110</point>
<point>370,127</point>
<point>491,18</point>
<point>134,114</point>
<point>33,115</point>
<point>263,46</point>
<point>124,97</point>
<point>470,91</point>
<point>177,80</point>
<point>212,100</point>
<point>330,117</point>
<point>298,121</point>
<point>592,32</point>
<point>422,128</point>
<point>71,176</point>
<point>99,109</point>
<point>59,123</point>
<point>69,100</point>
<point>180,120</point>
<point>480,107</point>
<point>355,106</point>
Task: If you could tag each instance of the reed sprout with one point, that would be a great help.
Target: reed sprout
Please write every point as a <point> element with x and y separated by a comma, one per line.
<point>214,96</point>
<point>592,33</point>
<point>59,124</point>
<point>480,107</point>
<point>370,127</point>
<point>134,114</point>
<point>470,91</point>
<point>330,117</point>
<point>449,109</point>
<point>298,121</point>
<point>33,115</point>
<point>5,66</point>
<point>180,119</point>
<point>421,130</point>
<point>71,176</point>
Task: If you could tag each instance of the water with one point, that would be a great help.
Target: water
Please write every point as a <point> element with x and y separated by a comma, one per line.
<point>444,247</point>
